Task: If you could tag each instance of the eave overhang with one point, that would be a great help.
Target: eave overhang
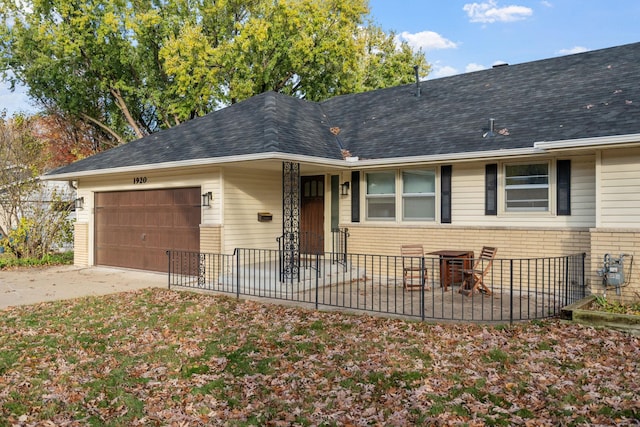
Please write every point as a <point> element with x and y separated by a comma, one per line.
<point>539,148</point>
<point>209,161</point>
<point>629,140</point>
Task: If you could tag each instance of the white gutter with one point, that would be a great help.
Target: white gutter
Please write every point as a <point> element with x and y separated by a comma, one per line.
<point>208,161</point>
<point>539,147</point>
<point>603,141</point>
<point>439,158</point>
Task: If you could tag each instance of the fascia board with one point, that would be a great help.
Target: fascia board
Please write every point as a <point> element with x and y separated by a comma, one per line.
<point>538,148</point>
<point>453,157</point>
<point>338,164</point>
<point>196,162</point>
<point>586,143</point>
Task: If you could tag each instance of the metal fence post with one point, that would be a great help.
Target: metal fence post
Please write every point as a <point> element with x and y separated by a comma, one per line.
<point>567,260</point>
<point>168,269</point>
<point>317,277</point>
<point>510,292</point>
<point>584,284</point>
<point>423,282</point>
<point>236,252</point>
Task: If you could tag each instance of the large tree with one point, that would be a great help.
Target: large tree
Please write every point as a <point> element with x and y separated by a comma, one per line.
<point>65,138</point>
<point>34,217</point>
<point>131,67</point>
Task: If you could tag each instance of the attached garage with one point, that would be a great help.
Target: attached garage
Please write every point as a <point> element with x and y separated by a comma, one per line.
<point>134,229</point>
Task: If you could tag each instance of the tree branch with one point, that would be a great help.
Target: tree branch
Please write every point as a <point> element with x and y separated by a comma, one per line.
<point>125,110</point>
<point>103,126</point>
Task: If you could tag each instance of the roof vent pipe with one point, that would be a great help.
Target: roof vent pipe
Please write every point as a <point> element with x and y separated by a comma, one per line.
<point>491,131</point>
<point>416,70</point>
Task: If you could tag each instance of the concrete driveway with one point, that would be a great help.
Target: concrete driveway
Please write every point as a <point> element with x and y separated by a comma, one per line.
<point>32,285</point>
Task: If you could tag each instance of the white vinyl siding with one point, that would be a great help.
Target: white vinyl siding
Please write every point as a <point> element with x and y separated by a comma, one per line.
<point>583,192</point>
<point>620,189</point>
<point>468,198</point>
<point>248,192</point>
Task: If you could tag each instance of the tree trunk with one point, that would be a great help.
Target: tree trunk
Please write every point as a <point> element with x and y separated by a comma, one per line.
<point>127,114</point>
<point>103,126</point>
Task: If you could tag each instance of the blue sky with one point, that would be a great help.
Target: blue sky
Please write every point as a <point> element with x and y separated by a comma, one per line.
<point>463,36</point>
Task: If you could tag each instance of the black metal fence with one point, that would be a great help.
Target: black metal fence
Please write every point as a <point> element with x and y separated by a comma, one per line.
<point>519,289</point>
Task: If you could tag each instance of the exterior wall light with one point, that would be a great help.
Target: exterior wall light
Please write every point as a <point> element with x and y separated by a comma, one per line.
<point>344,188</point>
<point>206,199</point>
<point>79,203</point>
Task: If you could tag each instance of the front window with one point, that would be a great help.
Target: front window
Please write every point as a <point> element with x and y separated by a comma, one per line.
<point>381,195</point>
<point>527,187</point>
<point>418,195</point>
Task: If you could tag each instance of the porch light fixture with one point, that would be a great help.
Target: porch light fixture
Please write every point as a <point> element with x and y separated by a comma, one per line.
<point>206,199</point>
<point>344,188</point>
<point>79,203</point>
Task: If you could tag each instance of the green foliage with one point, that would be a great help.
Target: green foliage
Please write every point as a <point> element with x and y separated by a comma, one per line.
<point>132,68</point>
<point>40,228</point>
<point>9,261</point>
<point>33,219</point>
<point>609,306</point>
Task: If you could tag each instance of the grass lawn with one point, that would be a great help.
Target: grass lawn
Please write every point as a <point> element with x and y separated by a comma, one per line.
<point>176,358</point>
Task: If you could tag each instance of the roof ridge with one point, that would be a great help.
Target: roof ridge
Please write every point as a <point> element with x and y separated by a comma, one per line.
<point>271,141</point>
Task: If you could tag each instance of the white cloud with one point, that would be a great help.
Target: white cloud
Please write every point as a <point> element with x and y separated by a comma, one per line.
<point>427,40</point>
<point>546,3</point>
<point>474,67</point>
<point>442,71</point>
<point>575,49</point>
<point>489,12</point>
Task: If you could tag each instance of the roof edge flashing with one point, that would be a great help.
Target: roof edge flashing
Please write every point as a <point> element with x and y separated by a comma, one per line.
<point>633,138</point>
<point>207,161</point>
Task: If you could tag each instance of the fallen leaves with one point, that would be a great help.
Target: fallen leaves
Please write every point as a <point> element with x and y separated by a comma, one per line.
<point>159,357</point>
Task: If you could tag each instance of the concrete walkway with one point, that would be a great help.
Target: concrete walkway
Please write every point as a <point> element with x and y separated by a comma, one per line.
<point>33,285</point>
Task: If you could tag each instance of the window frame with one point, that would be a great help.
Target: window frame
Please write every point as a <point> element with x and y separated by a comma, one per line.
<point>426,196</point>
<point>533,186</point>
<point>392,196</point>
<point>399,196</point>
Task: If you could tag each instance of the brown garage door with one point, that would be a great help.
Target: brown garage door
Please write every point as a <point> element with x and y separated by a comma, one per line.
<point>134,229</point>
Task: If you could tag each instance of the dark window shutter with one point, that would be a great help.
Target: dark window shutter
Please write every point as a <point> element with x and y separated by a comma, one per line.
<point>445,194</point>
<point>564,187</point>
<point>335,201</point>
<point>491,189</point>
<point>355,196</point>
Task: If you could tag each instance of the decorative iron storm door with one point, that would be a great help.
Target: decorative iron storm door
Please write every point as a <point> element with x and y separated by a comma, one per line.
<point>290,240</point>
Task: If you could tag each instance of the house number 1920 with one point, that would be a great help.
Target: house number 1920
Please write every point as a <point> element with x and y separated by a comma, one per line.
<point>140,180</point>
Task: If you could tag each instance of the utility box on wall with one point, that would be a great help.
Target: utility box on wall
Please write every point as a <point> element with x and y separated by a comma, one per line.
<point>265,216</point>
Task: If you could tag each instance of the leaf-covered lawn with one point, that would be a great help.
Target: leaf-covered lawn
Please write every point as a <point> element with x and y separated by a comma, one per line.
<point>160,357</point>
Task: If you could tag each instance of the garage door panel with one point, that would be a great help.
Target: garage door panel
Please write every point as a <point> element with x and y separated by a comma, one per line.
<point>161,219</point>
<point>135,229</point>
<point>159,199</point>
<point>186,199</point>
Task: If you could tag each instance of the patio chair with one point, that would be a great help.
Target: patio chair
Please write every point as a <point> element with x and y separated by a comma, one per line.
<point>473,279</point>
<point>413,270</point>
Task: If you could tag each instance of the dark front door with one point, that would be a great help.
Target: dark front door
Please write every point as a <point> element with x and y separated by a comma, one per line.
<point>312,215</point>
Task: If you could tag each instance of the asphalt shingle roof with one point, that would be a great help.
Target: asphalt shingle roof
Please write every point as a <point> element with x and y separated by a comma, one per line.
<point>591,94</point>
